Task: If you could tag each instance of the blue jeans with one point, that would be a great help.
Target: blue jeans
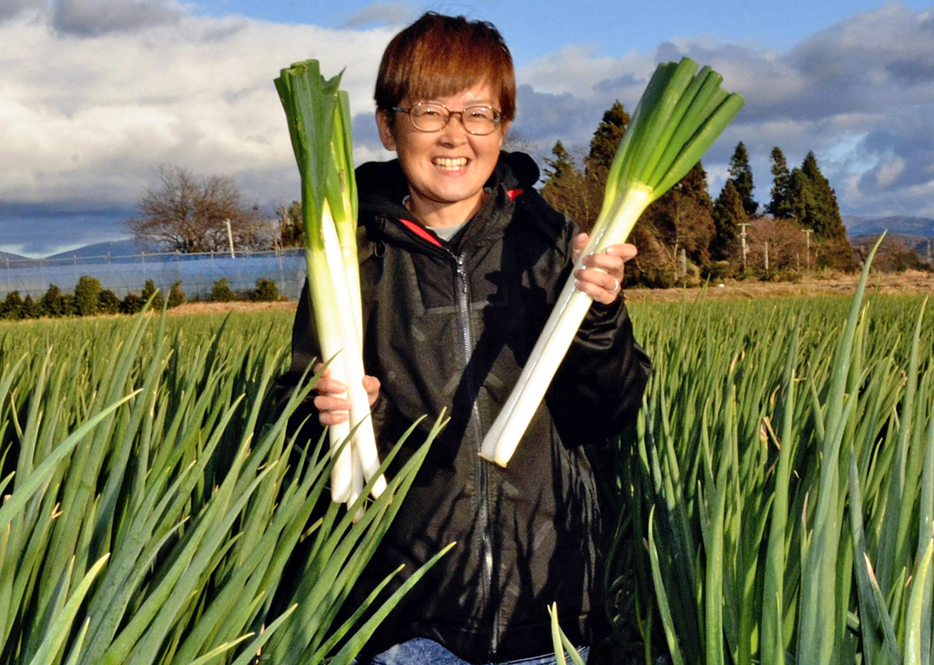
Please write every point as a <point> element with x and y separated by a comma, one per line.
<point>422,651</point>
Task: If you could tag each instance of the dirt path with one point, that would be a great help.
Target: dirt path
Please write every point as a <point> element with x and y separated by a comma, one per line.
<point>908,283</point>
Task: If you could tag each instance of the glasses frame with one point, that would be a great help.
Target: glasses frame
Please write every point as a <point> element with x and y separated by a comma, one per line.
<point>497,117</point>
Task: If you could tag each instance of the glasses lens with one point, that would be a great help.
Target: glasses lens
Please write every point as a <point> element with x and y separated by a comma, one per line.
<point>428,117</point>
<point>480,119</point>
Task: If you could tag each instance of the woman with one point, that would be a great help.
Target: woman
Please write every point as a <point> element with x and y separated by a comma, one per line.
<point>461,265</point>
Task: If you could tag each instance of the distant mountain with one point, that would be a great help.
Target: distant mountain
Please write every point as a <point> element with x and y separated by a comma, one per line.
<point>101,249</point>
<point>7,256</point>
<point>921,227</point>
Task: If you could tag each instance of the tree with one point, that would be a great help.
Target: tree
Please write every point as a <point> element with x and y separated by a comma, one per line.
<point>291,225</point>
<point>87,295</point>
<point>780,205</point>
<point>683,218</point>
<point>131,304</point>
<point>150,291</point>
<point>579,193</point>
<point>566,187</point>
<point>52,302</point>
<point>188,213</point>
<point>814,205</point>
<point>265,291</point>
<point>176,296</point>
<point>606,139</point>
<point>728,214</point>
<point>108,302</point>
<point>12,307</point>
<point>741,176</point>
<point>221,291</point>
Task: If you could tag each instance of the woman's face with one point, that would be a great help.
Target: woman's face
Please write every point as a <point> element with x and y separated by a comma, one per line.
<point>446,169</point>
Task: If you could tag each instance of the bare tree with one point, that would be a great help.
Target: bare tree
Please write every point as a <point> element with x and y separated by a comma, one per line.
<point>188,213</point>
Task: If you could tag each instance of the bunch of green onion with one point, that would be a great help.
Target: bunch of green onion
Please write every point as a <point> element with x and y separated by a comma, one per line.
<point>318,114</point>
<point>679,116</point>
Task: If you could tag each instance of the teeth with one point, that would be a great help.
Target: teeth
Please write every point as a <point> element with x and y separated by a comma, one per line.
<point>448,164</point>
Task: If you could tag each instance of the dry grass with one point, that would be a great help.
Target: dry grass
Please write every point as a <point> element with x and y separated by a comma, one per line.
<point>911,282</point>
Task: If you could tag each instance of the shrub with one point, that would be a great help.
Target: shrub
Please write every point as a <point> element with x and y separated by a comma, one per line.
<point>108,302</point>
<point>52,302</point>
<point>150,291</point>
<point>176,295</point>
<point>131,304</point>
<point>221,292</point>
<point>266,291</point>
<point>69,308</point>
<point>30,308</point>
<point>12,307</point>
<point>87,293</point>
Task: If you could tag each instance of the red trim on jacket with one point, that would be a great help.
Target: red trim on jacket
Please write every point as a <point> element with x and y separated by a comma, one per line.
<point>421,232</point>
<point>514,193</point>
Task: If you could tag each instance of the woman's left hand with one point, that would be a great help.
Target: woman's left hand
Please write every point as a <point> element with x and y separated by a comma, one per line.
<point>603,273</point>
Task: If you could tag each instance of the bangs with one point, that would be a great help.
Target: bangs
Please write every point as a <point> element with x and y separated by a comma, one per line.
<point>439,56</point>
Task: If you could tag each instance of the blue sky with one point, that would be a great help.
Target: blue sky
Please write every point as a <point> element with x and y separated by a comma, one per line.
<point>95,94</point>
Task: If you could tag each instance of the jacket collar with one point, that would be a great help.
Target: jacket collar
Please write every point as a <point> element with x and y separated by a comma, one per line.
<point>382,186</point>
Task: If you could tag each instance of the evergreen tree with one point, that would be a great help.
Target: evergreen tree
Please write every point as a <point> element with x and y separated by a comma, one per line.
<point>30,308</point>
<point>741,176</point>
<point>176,296</point>
<point>814,205</point>
<point>52,302</point>
<point>566,188</point>
<point>150,291</point>
<point>559,167</point>
<point>728,214</point>
<point>780,205</point>
<point>825,219</point>
<point>606,140</point>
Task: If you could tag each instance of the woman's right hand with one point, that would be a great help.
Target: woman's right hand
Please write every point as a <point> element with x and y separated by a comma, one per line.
<point>332,402</point>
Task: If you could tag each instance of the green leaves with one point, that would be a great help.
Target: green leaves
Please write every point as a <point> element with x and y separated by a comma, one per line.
<point>784,467</point>
<point>158,499</point>
<point>677,120</point>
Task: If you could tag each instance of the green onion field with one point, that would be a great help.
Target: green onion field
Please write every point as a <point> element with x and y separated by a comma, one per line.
<point>773,504</point>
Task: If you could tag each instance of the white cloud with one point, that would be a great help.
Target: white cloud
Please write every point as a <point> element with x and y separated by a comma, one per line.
<point>85,118</point>
<point>87,111</point>
<point>889,171</point>
<point>859,94</point>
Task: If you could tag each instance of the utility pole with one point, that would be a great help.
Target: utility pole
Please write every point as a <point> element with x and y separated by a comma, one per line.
<point>684,263</point>
<point>808,233</point>
<point>766,256</point>
<point>742,235</point>
<point>230,239</point>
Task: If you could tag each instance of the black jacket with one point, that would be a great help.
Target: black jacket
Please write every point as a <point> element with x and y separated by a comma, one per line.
<point>450,325</point>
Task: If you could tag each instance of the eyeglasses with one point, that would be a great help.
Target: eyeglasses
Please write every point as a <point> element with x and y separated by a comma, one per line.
<point>433,117</point>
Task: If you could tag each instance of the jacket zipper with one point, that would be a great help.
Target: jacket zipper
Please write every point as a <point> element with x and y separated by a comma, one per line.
<point>462,287</point>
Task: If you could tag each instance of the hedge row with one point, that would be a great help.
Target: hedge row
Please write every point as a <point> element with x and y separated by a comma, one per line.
<point>89,298</point>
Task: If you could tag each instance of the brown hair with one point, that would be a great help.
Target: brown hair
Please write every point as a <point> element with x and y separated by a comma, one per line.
<point>442,55</point>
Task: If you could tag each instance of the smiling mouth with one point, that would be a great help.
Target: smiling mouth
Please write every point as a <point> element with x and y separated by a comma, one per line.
<point>449,164</point>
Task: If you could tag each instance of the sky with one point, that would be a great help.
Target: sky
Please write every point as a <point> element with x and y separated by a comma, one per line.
<point>95,95</point>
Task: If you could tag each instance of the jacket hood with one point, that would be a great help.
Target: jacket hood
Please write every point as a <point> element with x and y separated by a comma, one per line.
<point>382,185</point>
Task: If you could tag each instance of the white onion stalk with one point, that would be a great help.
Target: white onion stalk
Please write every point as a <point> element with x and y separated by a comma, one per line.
<point>678,118</point>
<point>341,208</point>
<point>318,122</point>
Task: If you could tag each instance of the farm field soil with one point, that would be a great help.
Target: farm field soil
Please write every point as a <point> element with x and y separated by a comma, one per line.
<point>907,283</point>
